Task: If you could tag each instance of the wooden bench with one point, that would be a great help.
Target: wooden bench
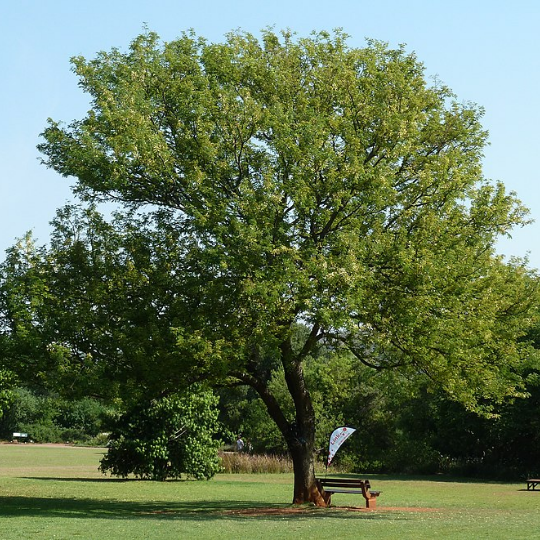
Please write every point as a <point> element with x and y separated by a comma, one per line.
<point>20,437</point>
<point>532,483</point>
<point>329,486</point>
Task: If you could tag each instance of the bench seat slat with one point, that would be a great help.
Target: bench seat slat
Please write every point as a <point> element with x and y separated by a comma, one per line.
<point>372,493</point>
<point>341,484</point>
<point>337,490</point>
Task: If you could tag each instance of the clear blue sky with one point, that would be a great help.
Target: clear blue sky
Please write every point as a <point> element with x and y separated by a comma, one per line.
<point>487,51</point>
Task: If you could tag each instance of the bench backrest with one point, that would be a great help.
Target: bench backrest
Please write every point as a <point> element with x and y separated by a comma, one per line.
<point>344,482</point>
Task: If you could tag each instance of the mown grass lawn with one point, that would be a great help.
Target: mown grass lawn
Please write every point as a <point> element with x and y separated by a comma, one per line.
<point>57,492</point>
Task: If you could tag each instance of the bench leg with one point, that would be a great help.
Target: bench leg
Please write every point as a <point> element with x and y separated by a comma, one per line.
<point>371,503</point>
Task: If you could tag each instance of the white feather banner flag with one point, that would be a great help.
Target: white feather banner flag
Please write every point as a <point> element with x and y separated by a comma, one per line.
<point>338,437</point>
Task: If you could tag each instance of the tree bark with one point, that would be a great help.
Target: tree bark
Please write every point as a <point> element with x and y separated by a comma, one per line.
<point>300,436</point>
<point>302,453</point>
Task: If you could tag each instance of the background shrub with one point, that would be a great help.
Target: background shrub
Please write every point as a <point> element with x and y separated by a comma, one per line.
<point>166,438</point>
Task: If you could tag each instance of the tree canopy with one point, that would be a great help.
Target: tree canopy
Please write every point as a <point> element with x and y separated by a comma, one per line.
<point>282,181</point>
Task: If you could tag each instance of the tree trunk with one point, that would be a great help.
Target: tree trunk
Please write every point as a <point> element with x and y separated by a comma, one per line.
<point>306,489</point>
<point>300,436</point>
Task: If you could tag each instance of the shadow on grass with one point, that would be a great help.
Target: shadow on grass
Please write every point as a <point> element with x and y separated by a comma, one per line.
<point>87,508</point>
<point>81,479</point>
<point>437,478</point>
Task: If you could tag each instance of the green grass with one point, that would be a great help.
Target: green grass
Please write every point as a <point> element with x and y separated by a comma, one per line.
<point>57,492</point>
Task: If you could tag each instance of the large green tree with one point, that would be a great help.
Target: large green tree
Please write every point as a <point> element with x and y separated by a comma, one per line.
<point>303,181</point>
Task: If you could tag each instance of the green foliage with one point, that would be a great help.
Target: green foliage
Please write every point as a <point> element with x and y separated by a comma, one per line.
<point>166,438</point>
<point>7,383</point>
<point>50,419</point>
<point>32,414</point>
<point>22,295</point>
<point>243,412</point>
<point>86,415</point>
<point>358,208</point>
<point>263,185</point>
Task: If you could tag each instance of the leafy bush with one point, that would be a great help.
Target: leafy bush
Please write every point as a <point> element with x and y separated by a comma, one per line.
<point>32,414</point>
<point>166,438</point>
<point>48,419</point>
<point>43,433</point>
<point>86,416</point>
<point>7,382</point>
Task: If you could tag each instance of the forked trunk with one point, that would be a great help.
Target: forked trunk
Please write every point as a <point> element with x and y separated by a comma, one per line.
<point>300,434</point>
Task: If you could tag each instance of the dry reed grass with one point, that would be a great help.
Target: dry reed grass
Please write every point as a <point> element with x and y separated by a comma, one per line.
<point>240,462</point>
<point>245,463</point>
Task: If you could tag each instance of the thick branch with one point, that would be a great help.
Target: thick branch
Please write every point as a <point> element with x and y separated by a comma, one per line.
<point>268,399</point>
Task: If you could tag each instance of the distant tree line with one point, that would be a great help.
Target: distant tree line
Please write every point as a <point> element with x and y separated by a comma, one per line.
<point>402,426</point>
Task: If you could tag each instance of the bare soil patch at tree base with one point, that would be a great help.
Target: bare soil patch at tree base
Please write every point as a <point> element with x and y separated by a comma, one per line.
<point>303,510</point>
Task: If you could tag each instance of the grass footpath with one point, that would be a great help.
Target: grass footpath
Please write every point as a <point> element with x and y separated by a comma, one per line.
<point>58,493</point>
